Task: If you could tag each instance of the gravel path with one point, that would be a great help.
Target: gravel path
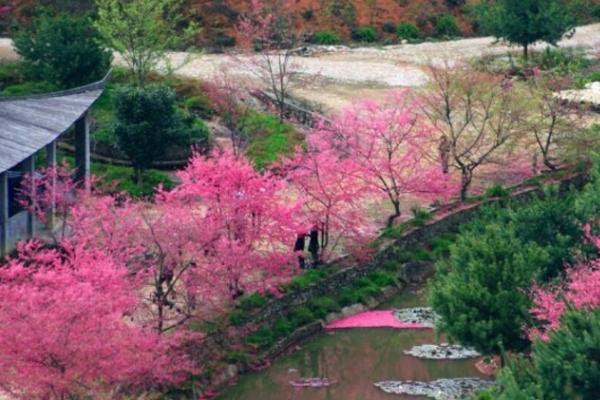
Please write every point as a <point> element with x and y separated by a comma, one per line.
<point>342,76</point>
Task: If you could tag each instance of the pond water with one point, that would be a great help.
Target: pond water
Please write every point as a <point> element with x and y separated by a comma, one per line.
<point>356,359</point>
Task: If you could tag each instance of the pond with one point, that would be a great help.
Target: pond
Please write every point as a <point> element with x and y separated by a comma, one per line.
<point>356,359</point>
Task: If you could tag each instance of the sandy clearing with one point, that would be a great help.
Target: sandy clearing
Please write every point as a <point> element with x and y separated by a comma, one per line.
<point>340,77</point>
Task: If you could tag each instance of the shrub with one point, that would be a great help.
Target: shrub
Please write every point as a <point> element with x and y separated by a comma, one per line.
<point>63,50</point>
<point>282,327</point>
<point>237,357</point>
<point>301,316</point>
<point>382,279</point>
<point>407,31</point>
<point>238,318</point>
<point>252,302</point>
<point>348,297</point>
<point>445,25</point>
<point>146,123</point>
<point>564,367</point>
<point>388,27</point>
<point>366,34</point>
<point>497,191</point>
<point>481,291</point>
<point>262,338</point>
<point>199,106</point>
<point>322,306</point>
<point>326,37</point>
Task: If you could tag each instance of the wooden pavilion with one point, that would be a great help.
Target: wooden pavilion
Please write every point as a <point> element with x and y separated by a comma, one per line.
<point>28,125</point>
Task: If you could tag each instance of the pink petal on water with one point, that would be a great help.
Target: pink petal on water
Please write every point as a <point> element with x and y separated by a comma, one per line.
<point>374,319</point>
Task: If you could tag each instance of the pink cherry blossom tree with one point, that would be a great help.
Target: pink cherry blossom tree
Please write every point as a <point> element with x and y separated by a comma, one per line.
<point>66,329</point>
<point>251,216</point>
<point>392,149</point>
<point>333,198</point>
<point>581,289</point>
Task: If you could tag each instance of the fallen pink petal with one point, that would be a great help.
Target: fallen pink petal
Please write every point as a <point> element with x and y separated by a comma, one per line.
<point>374,319</point>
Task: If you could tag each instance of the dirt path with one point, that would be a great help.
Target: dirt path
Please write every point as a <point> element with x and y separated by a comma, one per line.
<point>343,76</point>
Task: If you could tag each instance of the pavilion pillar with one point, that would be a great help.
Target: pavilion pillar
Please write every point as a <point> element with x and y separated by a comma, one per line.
<point>82,149</point>
<point>51,165</point>
<point>4,214</point>
<point>28,168</point>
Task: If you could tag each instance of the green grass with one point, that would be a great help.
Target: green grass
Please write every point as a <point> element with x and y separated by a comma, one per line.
<point>122,178</point>
<point>268,138</point>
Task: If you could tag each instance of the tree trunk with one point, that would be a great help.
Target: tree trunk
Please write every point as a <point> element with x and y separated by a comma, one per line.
<point>313,246</point>
<point>396,214</point>
<point>299,249</point>
<point>139,176</point>
<point>465,183</point>
<point>526,52</point>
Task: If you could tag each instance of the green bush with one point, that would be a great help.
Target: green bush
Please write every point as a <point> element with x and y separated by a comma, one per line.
<point>322,306</point>
<point>147,122</point>
<point>282,328</point>
<point>237,357</point>
<point>124,179</point>
<point>262,338</point>
<point>199,106</point>
<point>326,38</point>
<point>62,49</point>
<point>382,279</point>
<point>301,316</point>
<point>407,31</point>
<point>238,318</point>
<point>481,291</point>
<point>564,367</point>
<point>445,25</point>
<point>348,297</point>
<point>366,34</point>
<point>307,278</point>
<point>268,138</point>
<point>561,61</point>
<point>252,302</point>
<point>497,191</point>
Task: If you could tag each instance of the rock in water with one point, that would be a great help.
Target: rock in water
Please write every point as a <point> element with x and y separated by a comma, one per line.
<point>441,389</point>
<point>419,315</point>
<point>443,351</point>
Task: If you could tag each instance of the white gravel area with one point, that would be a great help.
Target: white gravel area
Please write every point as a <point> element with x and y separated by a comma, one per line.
<point>359,70</point>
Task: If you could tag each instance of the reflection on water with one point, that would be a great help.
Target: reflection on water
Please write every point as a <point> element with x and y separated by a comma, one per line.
<point>355,359</point>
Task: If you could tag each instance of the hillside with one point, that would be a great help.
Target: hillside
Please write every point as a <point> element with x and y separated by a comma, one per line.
<point>218,17</point>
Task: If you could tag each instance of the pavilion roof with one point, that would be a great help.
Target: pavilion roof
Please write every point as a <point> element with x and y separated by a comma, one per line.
<point>29,123</point>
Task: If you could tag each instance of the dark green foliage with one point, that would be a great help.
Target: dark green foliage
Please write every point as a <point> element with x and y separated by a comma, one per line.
<point>497,191</point>
<point>123,178</point>
<point>366,34</point>
<point>301,316</point>
<point>407,31</point>
<point>445,25</point>
<point>147,123</point>
<point>416,254</point>
<point>481,290</point>
<point>27,88</point>
<point>199,106</point>
<point>587,204</point>
<point>237,357</point>
<point>63,50</point>
<point>262,338</point>
<point>391,265</point>
<point>524,22</point>
<point>238,318</point>
<point>268,138</point>
<point>420,217</point>
<point>252,302</point>
<point>307,278</point>
<point>440,246</point>
<point>561,61</point>
<point>565,367</point>
<point>322,306</point>
<point>382,278</point>
<point>326,37</point>
<point>282,327</point>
